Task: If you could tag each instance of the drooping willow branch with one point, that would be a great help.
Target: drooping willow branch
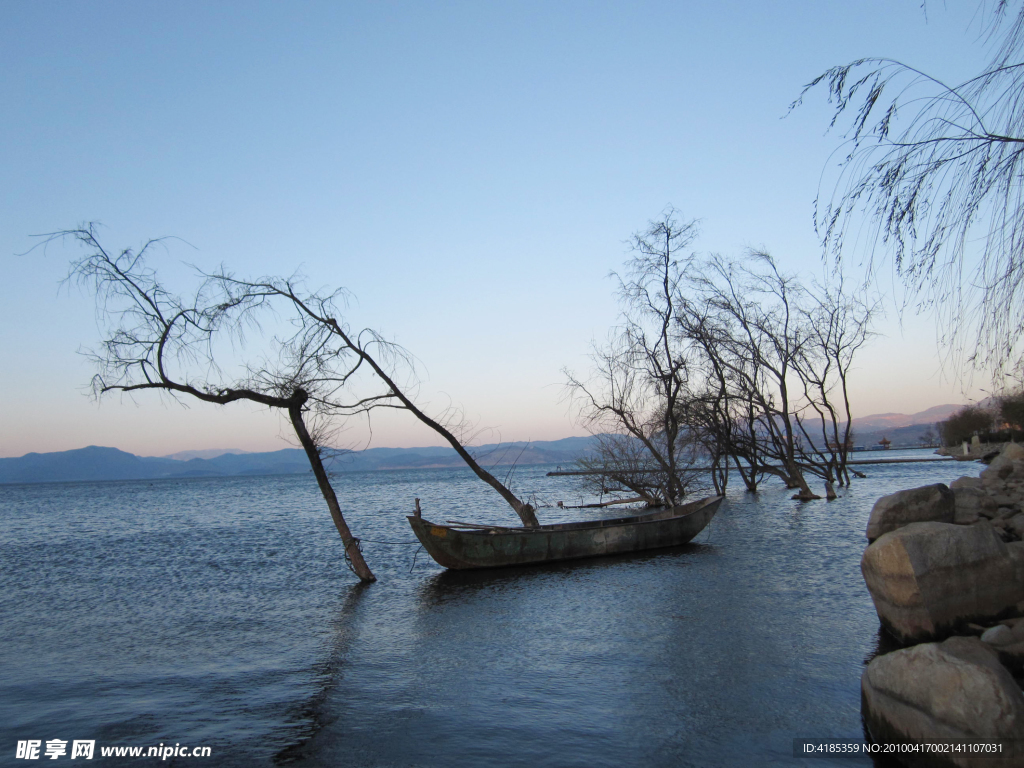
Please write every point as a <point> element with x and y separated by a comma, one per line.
<point>934,170</point>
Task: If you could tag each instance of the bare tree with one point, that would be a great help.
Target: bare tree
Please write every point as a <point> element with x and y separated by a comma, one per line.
<point>620,462</point>
<point>720,408</point>
<point>641,373</point>
<point>721,363</point>
<point>319,370</point>
<point>761,343</point>
<point>936,169</point>
<point>838,325</point>
<point>779,355</point>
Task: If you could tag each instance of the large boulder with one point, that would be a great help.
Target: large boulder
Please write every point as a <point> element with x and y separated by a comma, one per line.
<point>930,503</point>
<point>929,579</point>
<point>953,691</point>
<point>969,504</point>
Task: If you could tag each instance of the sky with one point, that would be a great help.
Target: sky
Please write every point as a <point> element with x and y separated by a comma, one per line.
<point>470,171</point>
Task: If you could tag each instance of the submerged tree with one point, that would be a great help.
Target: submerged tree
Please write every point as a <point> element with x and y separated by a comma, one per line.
<point>937,168</point>
<point>838,325</point>
<point>756,311</point>
<point>784,352</point>
<point>641,374</point>
<point>317,372</point>
<point>721,364</point>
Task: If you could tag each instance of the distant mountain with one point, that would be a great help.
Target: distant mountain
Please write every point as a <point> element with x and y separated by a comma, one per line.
<point>894,420</point>
<point>96,463</point>
<point>92,463</point>
<point>210,453</point>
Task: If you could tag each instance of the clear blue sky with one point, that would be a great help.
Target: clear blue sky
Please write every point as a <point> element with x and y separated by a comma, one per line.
<point>470,171</point>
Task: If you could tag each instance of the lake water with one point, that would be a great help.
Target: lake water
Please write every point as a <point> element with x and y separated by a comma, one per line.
<point>220,613</point>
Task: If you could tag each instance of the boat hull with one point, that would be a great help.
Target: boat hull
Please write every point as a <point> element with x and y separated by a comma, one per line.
<point>503,547</point>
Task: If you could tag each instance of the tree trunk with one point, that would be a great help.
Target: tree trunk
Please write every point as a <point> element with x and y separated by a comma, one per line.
<point>806,494</point>
<point>352,552</point>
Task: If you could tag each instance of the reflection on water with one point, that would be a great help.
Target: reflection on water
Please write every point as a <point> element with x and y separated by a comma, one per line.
<point>308,717</point>
<point>220,612</point>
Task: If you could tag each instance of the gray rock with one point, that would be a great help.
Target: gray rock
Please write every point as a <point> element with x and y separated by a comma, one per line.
<point>992,480</point>
<point>1000,634</point>
<point>1004,500</point>
<point>928,579</point>
<point>956,690</point>
<point>1001,467</point>
<point>970,504</point>
<point>1009,463</point>
<point>1016,551</point>
<point>1011,654</point>
<point>965,482</point>
<point>967,516</point>
<point>1016,524</point>
<point>1013,452</point>
<point>930,503</point>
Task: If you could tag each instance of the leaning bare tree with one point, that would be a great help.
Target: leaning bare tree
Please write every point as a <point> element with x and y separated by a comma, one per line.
<point>640,377</point>
<point>937,169</point>
<point>156,340</point>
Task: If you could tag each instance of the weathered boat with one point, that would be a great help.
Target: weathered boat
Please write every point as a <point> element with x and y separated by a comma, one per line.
<point>461,546</point>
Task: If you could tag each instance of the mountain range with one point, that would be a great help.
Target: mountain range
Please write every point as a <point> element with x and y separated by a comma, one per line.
<point>897,420</point>
<point>98,463</point>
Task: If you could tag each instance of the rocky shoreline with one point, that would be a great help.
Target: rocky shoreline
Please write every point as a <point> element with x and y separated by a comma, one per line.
<point>945,569</point>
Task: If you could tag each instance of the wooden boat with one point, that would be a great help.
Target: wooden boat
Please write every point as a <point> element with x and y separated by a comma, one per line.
<point>453,546</point>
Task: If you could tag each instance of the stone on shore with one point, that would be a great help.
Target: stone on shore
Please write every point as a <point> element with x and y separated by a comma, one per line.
<point>1007,639</point>
<point>1016,524</point>
<point>929,579</point>
<point>930,503</point>
<point>1002,468</point>
<point>1000,634</point>
<point>965,482</point>
<point>970,504</point>
<point>956,690</point>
